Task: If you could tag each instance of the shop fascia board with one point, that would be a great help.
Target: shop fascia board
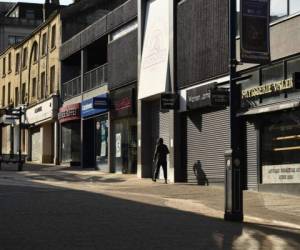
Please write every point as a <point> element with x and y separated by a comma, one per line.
<point>182,92</point>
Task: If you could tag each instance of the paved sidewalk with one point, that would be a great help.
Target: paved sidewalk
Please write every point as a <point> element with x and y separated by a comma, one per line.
<point>259,207</point>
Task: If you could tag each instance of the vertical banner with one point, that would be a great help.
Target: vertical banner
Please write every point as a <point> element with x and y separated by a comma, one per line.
<point>255,31</point>
<point>155,54</point>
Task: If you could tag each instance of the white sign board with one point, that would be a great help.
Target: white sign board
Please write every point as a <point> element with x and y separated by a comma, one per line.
<point>155,54</point>
<point>43,111</point>
<point>118,145</point>
<point>281,173</point>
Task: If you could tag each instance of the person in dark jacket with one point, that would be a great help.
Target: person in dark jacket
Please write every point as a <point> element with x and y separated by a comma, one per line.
<point>160,159</point>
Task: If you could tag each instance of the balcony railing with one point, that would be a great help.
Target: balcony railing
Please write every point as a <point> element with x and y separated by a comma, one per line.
<point>94,78</point>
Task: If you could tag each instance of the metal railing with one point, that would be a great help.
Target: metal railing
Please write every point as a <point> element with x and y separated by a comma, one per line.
<point>71,88</point>
<point>91,79</point>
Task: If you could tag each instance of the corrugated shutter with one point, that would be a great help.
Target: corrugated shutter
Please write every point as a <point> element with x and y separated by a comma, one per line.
<point>251,156</point>
<point>208,136</point>
<point>36,147</point>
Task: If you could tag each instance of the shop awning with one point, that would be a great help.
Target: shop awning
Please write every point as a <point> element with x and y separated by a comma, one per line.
<point>271,108</point>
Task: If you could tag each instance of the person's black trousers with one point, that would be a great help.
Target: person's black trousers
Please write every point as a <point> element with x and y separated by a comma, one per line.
<point>157,166</point>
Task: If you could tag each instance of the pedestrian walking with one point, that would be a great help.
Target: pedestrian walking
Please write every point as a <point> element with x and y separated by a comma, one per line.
<point>160,159</point>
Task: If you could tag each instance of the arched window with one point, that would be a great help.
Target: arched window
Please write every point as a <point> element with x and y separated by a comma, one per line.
<point>34,52</point>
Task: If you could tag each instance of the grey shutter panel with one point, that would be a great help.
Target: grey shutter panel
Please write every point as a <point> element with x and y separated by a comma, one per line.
<point>36,147</point>
<point>208,136</point>
<point>252,156</point>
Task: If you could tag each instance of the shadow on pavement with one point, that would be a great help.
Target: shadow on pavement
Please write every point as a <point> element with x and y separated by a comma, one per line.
<point>48,218</point>
<point>75,178</point>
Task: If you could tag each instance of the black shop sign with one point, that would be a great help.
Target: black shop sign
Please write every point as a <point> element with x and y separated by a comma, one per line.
<point>169,101</point>
<point>207,96</point>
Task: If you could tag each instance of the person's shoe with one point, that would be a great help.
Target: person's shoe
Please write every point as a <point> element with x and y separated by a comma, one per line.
<point>153,179</point>
<point>166,182</point>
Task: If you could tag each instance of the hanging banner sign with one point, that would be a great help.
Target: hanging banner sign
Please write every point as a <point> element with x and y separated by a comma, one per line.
<point>255,31</point>
<point>169,101</point>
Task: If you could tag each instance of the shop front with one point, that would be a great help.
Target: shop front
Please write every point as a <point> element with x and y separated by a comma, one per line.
<point>43,131</point>
<point>207,133</point>
<point>69,119</point>
<point>270,105</point>
<point>123,141</point>
<point>94,133</point>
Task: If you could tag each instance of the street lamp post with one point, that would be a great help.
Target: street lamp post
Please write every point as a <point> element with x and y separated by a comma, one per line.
<point>233,158</point>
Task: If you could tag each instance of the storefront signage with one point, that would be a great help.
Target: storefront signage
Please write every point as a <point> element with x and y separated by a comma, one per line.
<point>95,105</point>
<point>122,102</point>
<point>42,112</point>
<point>169,101</point>
<point>255,31</point>
<point>269,88</point>
<point>69,113</point>
<point>281,174</point>
<point>207,96</point>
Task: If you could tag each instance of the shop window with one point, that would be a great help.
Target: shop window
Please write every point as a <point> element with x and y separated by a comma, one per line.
<point>293,66</point>
<point>273,73</point>
<point>280,140</point>
<point>279,9</point>
<point>294,6</point>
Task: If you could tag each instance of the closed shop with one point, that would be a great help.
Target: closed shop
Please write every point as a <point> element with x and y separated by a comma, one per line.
<point>124,130</point>
<point>270,106</point>
<point>95,133</point>
<point>207,134</point>
<point>42,124</point>
<point>69,118</point>
<point>36,152</point>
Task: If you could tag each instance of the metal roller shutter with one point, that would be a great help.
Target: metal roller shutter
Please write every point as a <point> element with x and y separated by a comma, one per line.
<point>36,147</point>
<point>251,156</point>
<point>208,136</point>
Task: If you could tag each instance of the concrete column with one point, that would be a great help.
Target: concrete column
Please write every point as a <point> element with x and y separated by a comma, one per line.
<point>56,143</point>
<point>110,144</point>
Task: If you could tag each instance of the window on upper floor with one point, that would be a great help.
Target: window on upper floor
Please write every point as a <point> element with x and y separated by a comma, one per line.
<point>294,6</point>
<point>53,36</point>
<point>3,67</point>
<point>16,96</point>
<point>9,93</point>
<point>43,85</point>
<point>44,44</point>
<point>17,62</point>
<point>14,39</point>
<point>3,96</point>
<point>33,88</point>
<point>23,97</point>
<point>30,14</point>
<point>278,9</point>
<point>34,52</point>
<point>52,79</point>
<point>9,62</point>
<point>25,55</point>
